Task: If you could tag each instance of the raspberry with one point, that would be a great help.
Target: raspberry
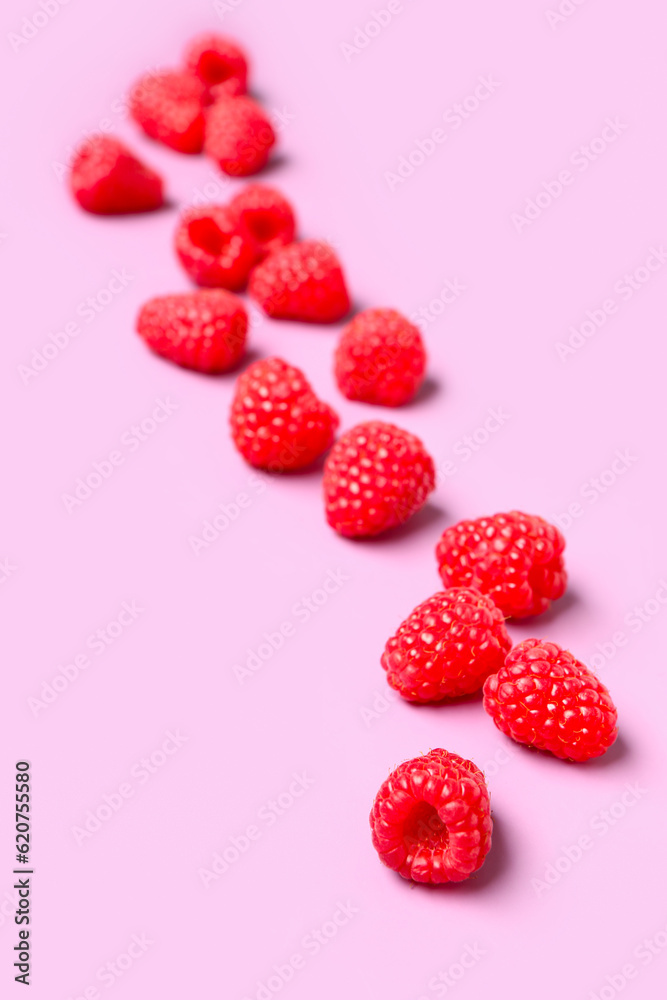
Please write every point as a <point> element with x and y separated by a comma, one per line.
<point>380,358</point>
<point>431,819</point>
<point>546,698</point>
<point>277,421</point>
<point>220,65</point>
<point>215,250</point>
<point>168,106</point>
<point>107,179</point>
<point>376,477</point>
<point>302,281</point>
<point>239,136</point>
<point>447,647</point>
<point>515,558</point>
<point>204,330</point>
<point>268,216</point>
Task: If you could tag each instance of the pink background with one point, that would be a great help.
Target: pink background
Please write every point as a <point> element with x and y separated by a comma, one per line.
<point>309,709</point>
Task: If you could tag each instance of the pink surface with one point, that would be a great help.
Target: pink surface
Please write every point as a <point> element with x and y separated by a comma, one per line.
<point>574,884</point>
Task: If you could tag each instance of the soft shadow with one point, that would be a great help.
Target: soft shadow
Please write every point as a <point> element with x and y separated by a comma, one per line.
<point>619,751</point>
<point>497,865</point>
<point>570,599</point>
<point>429,388</point>
<point>276,162</point>
<point>428,515</point>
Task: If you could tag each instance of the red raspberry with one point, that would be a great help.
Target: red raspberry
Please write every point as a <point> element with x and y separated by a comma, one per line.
<point>380,358</point>
<point>168,106</point>
<point>546,698</point>
<point>204,330</point>
<point>277,421</point>
<point>447,647</point>
<point>431,819</point>
<point>215,250</point>
<point>107,179</point>
<point>239,136</point>
<point>376,477</point>
<point>515,558</point>
<point>267,214</point>
<point>302,281</point>
<point>220,65</point>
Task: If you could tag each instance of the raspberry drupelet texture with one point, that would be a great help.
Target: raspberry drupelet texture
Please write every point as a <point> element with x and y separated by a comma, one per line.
<point>515,558</point>
<point>376,477</point>
<point>268,216</point>
<point>107,179</point>
<point>447,647</point>
<point>219,63</point>
<point>277,421</point>
<point>168,106</point>
<point>215,250</point>
<point>544,697</point>
<point>239,135</point>
<point>203,330</point>
<point>431,819</point>
<point>380,358</point>
<point>301,281</point>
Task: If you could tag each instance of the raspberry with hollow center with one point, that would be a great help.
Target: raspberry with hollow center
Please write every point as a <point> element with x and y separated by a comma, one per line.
<point>544,697</point>
<point>376,477</point>
<point>203,330</point>
<point>277,421</point>
<point>215,250</point>
<point>107,179</point>
<point>302,281</point>
<point>380,358</point>
<point>268,216</point>
<point>168,106</point>
<point>431,819</point>
<point>515,558</point>
<point>447,647</point>
<point>239,135</point>
<point>219,63</point>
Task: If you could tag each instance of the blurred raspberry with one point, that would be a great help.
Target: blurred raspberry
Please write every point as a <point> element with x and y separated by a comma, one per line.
<point>168,106</point>
<point>215,250</point>
<point>107,179</point>
<point>204,330</point>
<point>380,358</point>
